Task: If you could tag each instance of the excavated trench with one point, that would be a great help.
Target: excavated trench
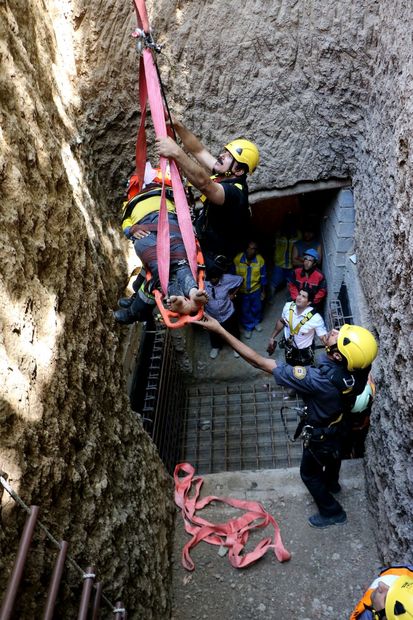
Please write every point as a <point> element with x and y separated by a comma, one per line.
<point>225,416</point>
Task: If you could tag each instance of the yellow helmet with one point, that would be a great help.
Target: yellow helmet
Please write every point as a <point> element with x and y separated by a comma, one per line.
<point>244,152</point>
<point>357,345</point>
<point>399,599</point>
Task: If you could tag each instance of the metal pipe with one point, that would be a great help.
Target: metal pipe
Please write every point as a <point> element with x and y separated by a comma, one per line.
<point>120,611</point>
<point>55,581</point>
<point>19,563</point>
<point>96,601</point>
<point>88,579</point>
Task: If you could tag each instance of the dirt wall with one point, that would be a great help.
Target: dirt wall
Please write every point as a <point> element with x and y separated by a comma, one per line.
<point>384,238</point>
<point>68,440</point>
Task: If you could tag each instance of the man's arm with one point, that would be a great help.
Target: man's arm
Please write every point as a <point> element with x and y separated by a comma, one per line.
<point>249,355</point>
<point>296,260</point>
<point>195,174</point>
<point>194,145</point>
<point>279,326</point>
<point>293,289</point>
<point>322,291</point>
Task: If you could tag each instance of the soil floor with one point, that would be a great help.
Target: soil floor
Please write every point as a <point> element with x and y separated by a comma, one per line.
<point>329,569</point>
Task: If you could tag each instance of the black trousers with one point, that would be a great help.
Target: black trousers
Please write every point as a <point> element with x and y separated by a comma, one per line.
<point>319,470</point>
<point>231,325</point>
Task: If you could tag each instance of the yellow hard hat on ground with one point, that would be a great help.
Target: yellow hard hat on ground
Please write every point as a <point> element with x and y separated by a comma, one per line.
<point>399,599</point>
<point>244,152</point>
<point>357,345</point>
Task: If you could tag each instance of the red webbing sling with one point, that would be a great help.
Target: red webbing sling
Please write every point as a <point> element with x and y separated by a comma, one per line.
<point>150,90</point>
<point>233,534</point>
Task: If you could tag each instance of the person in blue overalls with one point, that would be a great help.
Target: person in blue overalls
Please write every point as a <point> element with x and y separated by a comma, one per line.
<point>329,392</point>
<point>251,267</point>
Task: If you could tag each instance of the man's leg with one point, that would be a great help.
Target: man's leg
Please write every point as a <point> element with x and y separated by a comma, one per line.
<point>231,325</point>
<point>311,470</point>
<point>246,319</point>
<point>140,310</point>
<point>255,308</point>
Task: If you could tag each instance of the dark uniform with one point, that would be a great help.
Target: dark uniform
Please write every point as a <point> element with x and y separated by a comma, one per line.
<point>223,230</point>
<point>328,391</point>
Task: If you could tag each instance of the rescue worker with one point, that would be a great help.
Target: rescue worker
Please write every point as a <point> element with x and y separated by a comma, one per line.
<point>251,267</point>
<point>283,247</point>
<point>390,596</point>
<point>300,324</point>
<point>139,224</point>
<point>328,391</point>
<point>223,225</point>
<point>310,276</point>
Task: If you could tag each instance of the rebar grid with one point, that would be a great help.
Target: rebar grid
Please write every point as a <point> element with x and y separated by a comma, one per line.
<point>336,317</point>
<point>238,427</point>
<point>164,399</point>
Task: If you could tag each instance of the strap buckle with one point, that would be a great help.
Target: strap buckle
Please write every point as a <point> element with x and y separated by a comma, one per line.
<point>307,434</point>
<point>145,39</point>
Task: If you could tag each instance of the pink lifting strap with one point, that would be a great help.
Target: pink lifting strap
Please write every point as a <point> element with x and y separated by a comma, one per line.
<point>150,89</point>
<point>233,534</point>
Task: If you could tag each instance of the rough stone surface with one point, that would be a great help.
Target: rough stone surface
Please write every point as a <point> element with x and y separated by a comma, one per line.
<point>383,197</point>
<point>68,440</point>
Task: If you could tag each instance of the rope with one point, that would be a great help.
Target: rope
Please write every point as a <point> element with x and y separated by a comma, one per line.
<point>232,535</point>
<point>49,535</point>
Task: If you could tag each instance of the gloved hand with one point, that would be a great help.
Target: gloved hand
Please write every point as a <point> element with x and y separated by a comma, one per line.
<point>271,346</point>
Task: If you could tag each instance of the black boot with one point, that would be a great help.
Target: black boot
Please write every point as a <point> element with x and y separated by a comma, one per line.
<point>125,302</point>
<point>124,316</point>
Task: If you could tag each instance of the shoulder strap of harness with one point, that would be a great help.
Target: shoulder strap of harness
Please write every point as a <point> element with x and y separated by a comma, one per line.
<point>294,330</point>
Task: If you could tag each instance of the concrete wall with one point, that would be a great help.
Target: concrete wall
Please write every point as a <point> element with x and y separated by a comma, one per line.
<point>337,233</point>
<point>384,246</point>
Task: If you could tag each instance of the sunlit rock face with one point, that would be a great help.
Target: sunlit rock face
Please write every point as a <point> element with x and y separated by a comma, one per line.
<point>68,439</point>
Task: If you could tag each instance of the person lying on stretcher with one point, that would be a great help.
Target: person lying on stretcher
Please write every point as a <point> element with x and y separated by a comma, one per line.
<point>139,224</point>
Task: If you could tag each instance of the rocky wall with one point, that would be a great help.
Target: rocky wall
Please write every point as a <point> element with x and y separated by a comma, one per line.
<point>384,244</point>
<point>68,439</point>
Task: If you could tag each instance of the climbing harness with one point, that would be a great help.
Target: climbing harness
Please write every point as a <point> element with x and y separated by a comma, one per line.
<point>232,535</point>
<point>151,91</point>
<point>294,330</point>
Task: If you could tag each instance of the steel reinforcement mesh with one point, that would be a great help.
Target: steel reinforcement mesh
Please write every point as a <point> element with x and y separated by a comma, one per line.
<point>164,399</point>
<point>239,427</point>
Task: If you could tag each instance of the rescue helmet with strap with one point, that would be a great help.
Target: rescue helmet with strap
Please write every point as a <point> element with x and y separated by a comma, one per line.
<point>399,599</point>
<point>244,152</point>
<point>357,345</point>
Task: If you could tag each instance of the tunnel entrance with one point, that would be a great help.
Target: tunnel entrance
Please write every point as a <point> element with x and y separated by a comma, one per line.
<point>226,418</point>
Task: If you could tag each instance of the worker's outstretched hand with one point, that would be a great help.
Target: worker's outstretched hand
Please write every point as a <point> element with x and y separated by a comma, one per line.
<point>207,322</point>
<point>271,346</point>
